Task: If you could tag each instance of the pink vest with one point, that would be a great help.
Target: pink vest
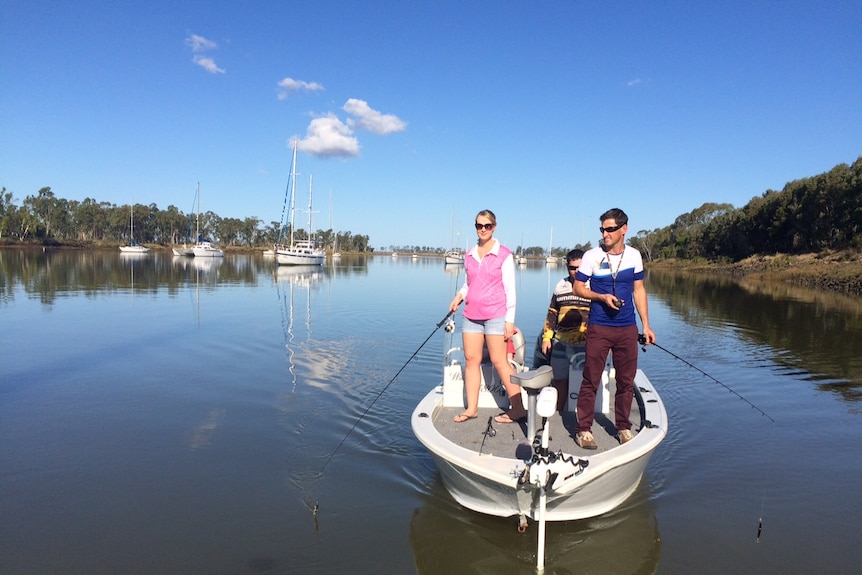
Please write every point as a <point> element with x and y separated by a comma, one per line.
<point>486,298</point>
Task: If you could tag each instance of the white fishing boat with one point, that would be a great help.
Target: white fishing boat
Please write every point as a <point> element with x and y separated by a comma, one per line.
<point>298,252</point>
<point>204,248</point>
<point>133,247</point>
<point>517,470</point>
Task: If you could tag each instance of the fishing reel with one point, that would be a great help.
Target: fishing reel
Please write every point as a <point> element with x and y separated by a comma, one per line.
<point>450,326</point>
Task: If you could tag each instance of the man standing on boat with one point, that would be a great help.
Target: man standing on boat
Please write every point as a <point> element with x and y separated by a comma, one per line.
<point>615,274</point>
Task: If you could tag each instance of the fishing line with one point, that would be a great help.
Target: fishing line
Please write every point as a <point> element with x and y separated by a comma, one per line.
<point>642,341</point>
<point>379,395</point>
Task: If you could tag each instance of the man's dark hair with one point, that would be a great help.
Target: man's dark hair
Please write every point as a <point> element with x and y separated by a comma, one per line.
<point>615,214</point>
<point>574,255</point>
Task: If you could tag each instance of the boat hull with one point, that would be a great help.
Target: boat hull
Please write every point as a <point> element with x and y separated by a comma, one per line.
<point>207,250</point>
<point>498,484</point>
<point>134,250</point>
<point>295,259</point>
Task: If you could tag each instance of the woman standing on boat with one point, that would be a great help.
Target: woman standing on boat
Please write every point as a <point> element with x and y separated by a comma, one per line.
<point>489,316</point>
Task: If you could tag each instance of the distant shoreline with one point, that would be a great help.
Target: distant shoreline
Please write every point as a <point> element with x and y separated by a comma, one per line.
<point>839,272</point>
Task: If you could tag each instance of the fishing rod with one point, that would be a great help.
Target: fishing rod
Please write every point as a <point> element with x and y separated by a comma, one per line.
<point>643,342</point>
<point>382,391</point>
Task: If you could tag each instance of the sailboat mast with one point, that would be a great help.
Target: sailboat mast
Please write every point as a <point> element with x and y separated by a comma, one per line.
<point>292,194</point>
<point>198,216</point>
<point>310,186</point>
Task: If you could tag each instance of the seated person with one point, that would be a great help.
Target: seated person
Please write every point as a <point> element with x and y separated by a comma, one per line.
<point>565,330</point>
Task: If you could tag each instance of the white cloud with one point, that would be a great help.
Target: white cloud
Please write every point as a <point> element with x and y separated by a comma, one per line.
<point>200,44</point>
<point>329,136</point>
<point>288,86</point>
<point>208,64</point>
<point>634,82</point>
<point>372,120</point>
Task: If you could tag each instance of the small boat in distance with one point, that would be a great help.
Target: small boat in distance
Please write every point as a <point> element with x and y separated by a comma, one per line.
<point>187,250</point>
<point>204,248</point>
<point>551,259</point>
<point>454,257</point>
<point>133,247</point>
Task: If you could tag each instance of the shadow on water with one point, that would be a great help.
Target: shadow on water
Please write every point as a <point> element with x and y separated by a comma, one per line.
<point>810,330</point>
<point>449,539</point>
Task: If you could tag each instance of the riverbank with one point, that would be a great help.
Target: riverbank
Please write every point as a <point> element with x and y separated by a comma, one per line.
<point>832,271</point>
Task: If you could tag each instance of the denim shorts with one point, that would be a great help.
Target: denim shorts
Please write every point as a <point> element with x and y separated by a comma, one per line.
<point>493,326</point>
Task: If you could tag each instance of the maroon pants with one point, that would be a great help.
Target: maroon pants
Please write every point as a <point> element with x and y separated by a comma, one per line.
<point>623,343</point>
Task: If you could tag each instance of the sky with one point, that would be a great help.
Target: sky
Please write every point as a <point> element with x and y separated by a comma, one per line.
<point>413,116</point>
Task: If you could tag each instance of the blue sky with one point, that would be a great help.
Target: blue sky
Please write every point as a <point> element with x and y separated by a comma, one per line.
<point>547,113</point>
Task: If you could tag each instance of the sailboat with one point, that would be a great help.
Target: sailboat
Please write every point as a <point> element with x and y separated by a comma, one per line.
<point>454,256</point>
<point>520,258</point>
<point>187,250</point>
<point>298,252</point>
<point>133,247</point>
<point>204,248</point>
<point>336,255</point>
<point>551,259</point>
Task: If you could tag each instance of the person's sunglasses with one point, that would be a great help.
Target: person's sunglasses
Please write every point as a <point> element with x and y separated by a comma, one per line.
<point>573,267</point>
<point>610,229</point>
<point>487,227</point>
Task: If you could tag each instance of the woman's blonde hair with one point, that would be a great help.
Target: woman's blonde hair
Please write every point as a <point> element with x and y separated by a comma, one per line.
<point>488,214</point>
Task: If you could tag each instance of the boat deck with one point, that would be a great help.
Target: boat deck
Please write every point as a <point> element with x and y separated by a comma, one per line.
<point>510,439</point>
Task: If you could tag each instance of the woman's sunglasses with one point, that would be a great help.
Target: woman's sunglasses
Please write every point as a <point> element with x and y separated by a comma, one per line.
<point>488,227</point>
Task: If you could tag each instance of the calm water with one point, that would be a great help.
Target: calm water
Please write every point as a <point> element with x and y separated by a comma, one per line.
<point>164,415</point>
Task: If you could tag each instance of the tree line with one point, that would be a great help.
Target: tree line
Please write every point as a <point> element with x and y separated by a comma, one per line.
<point>814,214</point>
<point>46,218</point>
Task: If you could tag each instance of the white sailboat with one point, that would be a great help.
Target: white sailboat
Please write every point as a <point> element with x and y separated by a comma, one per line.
<point>204,248</point>
<point>454,256</point>
<point>336,255</point>
<point>550,258</point>
<point>298,252</point>
<point>520,258</point>
<point>133,247</point>
<point>187,250</point>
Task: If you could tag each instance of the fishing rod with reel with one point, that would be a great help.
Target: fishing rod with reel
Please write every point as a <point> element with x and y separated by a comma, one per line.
<point>643,342</point>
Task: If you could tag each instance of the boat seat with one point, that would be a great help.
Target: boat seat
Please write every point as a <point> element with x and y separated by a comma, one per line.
<point>534,379</point>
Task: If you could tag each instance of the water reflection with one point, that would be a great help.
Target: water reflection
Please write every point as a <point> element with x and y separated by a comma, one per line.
<point>448,539</point>
<point>294,278</point>
<point>808,330</point>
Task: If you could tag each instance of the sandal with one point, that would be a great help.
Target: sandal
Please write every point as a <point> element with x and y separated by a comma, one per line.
<point>462,417</point>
